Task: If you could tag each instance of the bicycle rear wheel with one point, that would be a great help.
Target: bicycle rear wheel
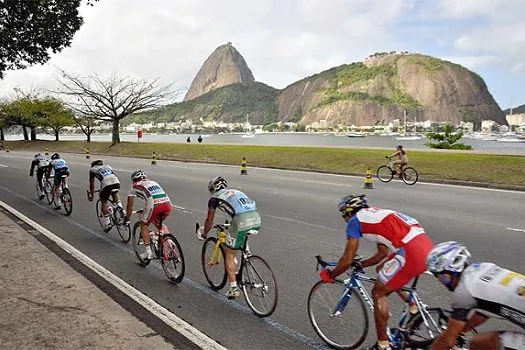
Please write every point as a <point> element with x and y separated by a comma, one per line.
<point>214,270</point>
<point>67,200</point>
<point>38,193</point>
<point>138,245</point>
<point>384,173</point>
<point>259,286</point>
<point>410,176</point>
<point>338,315</point>
<point>172,259</point>
<point>48,188</point>
<point>118,218</point>
<point>98,208</point>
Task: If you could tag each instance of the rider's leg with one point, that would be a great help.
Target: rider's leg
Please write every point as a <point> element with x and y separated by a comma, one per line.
<point>476,320</point>
<point>486,341</point>
<point>234,291</point>
<point>397,166</point>
<point>380,294</point>
<point>144,232</point>
<point>105,213</point>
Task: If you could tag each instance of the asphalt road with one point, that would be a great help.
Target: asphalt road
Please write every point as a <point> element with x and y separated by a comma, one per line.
<point>300,220</point>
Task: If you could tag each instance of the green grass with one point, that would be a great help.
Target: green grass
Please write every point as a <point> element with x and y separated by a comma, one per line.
<point>431,165</point>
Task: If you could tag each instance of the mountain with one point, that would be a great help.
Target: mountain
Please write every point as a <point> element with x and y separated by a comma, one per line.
<point>379,89</point>
<point>225,66</point>
<point>515,110</point>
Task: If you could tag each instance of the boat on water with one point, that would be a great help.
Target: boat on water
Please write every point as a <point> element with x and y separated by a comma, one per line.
<point>512,140</point>
<point>407,137</point>
<point>355,134</point>
<point>248,135</point>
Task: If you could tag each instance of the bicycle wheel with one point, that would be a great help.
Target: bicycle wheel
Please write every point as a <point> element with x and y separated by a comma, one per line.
<point>384,173</point>
<point>338,315</point>
<point>172,259</point>
<point>138,245</point>
<point>118,218</point>
<point>409,176</point>
<point>98,208</point>
<point>259,286</point>
<point>214,270</point>
<point>67,200</point>
<point>48,188</point>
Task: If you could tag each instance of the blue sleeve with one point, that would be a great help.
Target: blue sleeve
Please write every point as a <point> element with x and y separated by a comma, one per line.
<point>353,228</point>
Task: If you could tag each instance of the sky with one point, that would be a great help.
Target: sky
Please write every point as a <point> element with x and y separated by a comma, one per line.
<point>285,40</point>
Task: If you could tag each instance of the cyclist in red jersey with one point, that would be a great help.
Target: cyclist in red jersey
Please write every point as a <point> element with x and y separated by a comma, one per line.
<point>401,234</point>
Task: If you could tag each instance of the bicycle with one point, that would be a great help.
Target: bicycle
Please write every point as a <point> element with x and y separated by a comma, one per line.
<point>40,185</point>
<point>386,173</point>
<point>116,217</point>
<point>335,300</point>
<point>63,192</point>
<point>256,283</point>
<point>165,248</point>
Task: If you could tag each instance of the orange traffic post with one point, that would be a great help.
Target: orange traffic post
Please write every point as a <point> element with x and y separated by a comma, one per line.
<point>244,168</point>
<point>153,159</point>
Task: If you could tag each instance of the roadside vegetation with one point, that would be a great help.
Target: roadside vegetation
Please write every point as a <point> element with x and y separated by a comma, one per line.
<point>431,165</point>
<point>447,139</point>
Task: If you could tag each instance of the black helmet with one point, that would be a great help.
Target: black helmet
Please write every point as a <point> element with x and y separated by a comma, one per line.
<point>399,146</point>
<point>38,155</point>
<point>351,204</point>
<point>55,156</point>
<point>217,183</point>
<point>97,162</point>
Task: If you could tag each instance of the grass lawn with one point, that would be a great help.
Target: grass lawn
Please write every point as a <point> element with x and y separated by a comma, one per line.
<point>434,166</point>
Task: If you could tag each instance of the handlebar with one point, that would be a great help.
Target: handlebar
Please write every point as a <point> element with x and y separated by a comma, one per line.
<point>324,264</point>
<point>220,227</point>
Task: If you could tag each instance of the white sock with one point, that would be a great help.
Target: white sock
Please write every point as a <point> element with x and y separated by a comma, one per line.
<point>148,250</point>
<point>106,221</point>
<point>233,284</point>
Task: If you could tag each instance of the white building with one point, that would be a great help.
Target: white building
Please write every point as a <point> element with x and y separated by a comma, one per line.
<point>486,125</point>
<point>516,119</point>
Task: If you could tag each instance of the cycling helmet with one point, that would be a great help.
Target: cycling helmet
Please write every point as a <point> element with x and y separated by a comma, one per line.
<point>217,183</point>
<point>38,155</point>
<point>138,175</point>
<point>55,156</point>
<point>448,256</point>
<point>97,162</point>
<point>399,146</point>
<point>350,204</point>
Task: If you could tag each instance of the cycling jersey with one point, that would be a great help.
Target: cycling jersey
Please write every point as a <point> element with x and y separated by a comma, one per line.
<point>58,164</point>
<point>158,205</point>
<point>105,174</point>
<point>41,163</point>
<point>488,287</point>
<point>60,167</point>
<point>401,234</point>
<point>231,201</point>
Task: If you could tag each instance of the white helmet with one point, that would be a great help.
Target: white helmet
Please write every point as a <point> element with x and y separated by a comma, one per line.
<point>448,256</point>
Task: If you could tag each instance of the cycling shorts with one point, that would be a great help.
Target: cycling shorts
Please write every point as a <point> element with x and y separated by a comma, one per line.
<point>106,191</point>
<point>58,175</point>
<point>240,225</point>
<point>155,214</point>
<point>408,263</point>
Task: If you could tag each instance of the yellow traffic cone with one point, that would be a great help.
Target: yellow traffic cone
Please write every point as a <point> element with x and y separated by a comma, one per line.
<point>46,151</point>
<point>7,149</point>
<point>368,179</point>
<point>244,168</point>
<point>87,153</point>
<point>153,159</point>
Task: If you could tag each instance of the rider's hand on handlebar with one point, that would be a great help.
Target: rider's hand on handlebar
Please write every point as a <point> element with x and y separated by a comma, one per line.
<point>326,277</point>
<point>357,266</point>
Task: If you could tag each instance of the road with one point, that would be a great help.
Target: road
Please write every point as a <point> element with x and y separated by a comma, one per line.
<point>300,220</point>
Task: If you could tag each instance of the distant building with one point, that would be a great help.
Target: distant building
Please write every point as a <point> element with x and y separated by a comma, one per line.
<point>487,125</point>
<point>516,119</point>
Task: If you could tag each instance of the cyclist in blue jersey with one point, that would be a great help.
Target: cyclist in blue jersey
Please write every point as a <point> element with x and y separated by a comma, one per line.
<point>244,217</point>
<point>60,167</point>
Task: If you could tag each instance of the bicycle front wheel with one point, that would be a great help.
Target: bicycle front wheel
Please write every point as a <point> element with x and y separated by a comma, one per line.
<point>213,265</point>
<point>67,200</point>
<point>338,315</point>
<point>123,231</point>
<point>384,173</point>
<point>172,259</point>
<point>138,245</point>
<point>48,188</point>
<point>420,334</point>
<point>98,208</point>
<point>259,286</point>
<point>409,176</point>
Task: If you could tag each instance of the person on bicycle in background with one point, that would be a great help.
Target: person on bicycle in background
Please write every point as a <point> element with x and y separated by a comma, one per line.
<point>244,217</point>
<point>395,230</point>
<point>42,164</point>
<point>158,207</point>
<point>109,185</point>
<point>402,159</point>
<point>481,286</point>
<point>60,167</point>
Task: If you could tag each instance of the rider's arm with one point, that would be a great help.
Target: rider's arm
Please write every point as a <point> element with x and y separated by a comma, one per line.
<point>346,260</point>
<point>91,183</point>
<point>208,224</point>
<point>393,154</point>
<point>33,164</point>
<point>382,253</point>
<point>129,206</point>
<point>447,339</point>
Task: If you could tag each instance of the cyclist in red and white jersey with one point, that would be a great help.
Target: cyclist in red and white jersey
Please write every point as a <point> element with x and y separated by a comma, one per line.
<point>401,234</point>
<point>158,206</point>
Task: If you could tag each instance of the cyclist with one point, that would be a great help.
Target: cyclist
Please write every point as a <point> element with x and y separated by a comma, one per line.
<point>402,159</point>
<point>480,286</point>
<point>395,230</point>
<point>42,164</point>
<point>109,185</point>
<point>244,217</point>
<point>60,167</point>
<point>158,207</point>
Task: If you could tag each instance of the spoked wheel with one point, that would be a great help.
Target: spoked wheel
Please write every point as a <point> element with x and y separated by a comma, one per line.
<point>338,315</point>
<point>410,175</point>
<point>138,245</point>
<point>98,208</point>
<point>259,286</point>
<point>384,173</point>
<point>172,259</point>
<point>48,188</point>
<point>213,265</point>
<point>118,219</point>
<point>38,192</point>
<point>67,200</point>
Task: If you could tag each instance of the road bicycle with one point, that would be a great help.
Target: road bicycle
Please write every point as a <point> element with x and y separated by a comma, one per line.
<point>63,193</point>
<point>40,185</point>
<point>116,217</point>
<point>165,248</point>
<point>255,277</point>
<point>338,313</point>
<point>386,173</point>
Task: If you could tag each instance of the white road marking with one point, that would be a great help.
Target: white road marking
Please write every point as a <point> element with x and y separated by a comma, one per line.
<point>190,332</point>
<point>4,166</point>
<point>184,210</point>
<point>515,229</point>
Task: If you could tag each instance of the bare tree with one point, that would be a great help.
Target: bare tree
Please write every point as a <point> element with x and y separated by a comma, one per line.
<point>112,98</point>
<point>87,124</point>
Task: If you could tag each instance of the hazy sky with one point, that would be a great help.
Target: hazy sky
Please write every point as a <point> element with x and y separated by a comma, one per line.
<point>285,40</point>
